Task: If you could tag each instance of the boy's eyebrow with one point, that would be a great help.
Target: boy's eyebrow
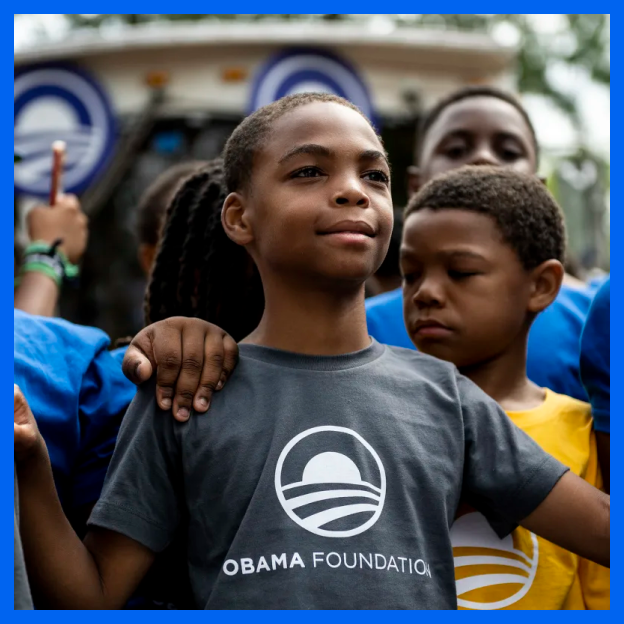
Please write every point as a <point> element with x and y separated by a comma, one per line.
<point>320,150</point>
<point>375,155</point>
<point>406,252</point>
<point>306,148</point>
<point>465,254</point>
<point>463,133</point>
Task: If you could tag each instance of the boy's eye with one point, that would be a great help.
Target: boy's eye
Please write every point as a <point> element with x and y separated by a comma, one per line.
<point>510,151</point>
<point>458,275</point>
<point>377,176</point>
<point>307,172</point>
<point>511,156</point>
<point>410,277</point>
<point>455,150</point>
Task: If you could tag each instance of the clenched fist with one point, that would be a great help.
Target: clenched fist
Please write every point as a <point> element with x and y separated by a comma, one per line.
<point>64,220</point>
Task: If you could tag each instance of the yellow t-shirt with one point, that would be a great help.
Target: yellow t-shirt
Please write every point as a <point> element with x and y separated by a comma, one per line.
<point>523,571</point>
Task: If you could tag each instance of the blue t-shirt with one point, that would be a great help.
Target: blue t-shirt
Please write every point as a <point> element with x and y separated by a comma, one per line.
<point>553,351</point>
<point>596,357</point>
<point>78,394</point>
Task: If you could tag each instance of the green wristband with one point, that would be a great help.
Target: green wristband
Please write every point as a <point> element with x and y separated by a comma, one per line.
<point>40,267</point>
<point>70,271</point>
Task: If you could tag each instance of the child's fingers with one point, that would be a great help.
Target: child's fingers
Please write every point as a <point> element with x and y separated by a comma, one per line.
<point>191,362</point>
<point>211,369</point>
<point>230,359</point>
<point>136,365</point>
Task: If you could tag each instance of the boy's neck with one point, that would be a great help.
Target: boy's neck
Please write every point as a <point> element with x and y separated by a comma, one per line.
<point>312,322</point>
<point>504,379</point>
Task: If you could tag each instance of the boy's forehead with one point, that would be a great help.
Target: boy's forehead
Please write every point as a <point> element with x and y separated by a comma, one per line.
<point>444,228</point>
<point>327,120</point>
<point>478,113</point>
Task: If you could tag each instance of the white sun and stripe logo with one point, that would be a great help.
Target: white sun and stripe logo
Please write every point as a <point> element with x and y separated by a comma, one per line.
<point>498,555</point>
<point>328,496</point>
<point>324,493</point>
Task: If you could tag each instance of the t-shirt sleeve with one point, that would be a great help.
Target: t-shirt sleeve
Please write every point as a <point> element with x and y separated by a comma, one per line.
<point>596,358</point>
<point>506,474</point>
<point>141,497</point>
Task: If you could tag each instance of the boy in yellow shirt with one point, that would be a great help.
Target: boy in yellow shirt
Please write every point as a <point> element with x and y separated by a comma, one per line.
<point>482,255</point>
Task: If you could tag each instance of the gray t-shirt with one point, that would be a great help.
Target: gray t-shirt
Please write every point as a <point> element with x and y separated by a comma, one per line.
<point>323,482</point>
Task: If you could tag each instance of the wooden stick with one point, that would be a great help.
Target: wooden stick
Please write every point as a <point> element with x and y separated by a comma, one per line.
<point>58,160</point>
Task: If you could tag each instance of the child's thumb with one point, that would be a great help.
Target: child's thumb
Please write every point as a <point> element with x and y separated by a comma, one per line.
<point>21,410</point>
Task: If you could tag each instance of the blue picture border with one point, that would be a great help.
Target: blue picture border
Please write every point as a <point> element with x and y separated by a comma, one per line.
<point>617,337</point>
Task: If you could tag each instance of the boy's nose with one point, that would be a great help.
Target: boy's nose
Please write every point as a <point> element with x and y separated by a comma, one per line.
<point>352,195</point>
<point>428,295</point>
<point>484,156</point>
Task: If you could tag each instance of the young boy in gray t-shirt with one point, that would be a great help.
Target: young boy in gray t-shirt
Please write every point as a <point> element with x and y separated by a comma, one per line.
<point>329,470</point>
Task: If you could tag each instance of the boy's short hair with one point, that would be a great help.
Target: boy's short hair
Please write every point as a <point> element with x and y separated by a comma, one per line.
<point>463,94</point>
<point>528,217</point>
<point>250,134</point>
<point>157,197</point>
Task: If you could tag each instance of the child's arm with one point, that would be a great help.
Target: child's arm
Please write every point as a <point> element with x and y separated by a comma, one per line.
<point>511,480</point>
<point>63,572</point>
<point>576,516</point>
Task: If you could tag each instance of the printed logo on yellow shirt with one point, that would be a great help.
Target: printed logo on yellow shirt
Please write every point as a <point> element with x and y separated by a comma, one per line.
<point>491,573</point>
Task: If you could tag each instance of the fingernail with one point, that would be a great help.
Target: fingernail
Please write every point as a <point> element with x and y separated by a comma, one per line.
<point>203,402</point>
<point>166,403</point>
<point>219,385</point>
<point>183,413</point>
<point>137,368</point>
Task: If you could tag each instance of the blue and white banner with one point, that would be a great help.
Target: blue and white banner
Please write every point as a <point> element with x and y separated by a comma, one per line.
<point>309,70</point>
<point>60,102</point>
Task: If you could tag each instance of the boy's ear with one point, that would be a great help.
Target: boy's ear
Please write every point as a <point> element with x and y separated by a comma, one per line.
<point>414,180</point>
<point>547,279</point>
<point>235,221</point>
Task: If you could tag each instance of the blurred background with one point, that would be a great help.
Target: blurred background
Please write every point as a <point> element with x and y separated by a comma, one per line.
<point>133,94</point>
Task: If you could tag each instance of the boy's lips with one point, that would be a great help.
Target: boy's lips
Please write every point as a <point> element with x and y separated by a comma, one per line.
<point>350,227</point>
<point>430,328</point>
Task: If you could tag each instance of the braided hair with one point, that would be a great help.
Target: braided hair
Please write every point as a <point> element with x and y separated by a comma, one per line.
<point>198,271</point>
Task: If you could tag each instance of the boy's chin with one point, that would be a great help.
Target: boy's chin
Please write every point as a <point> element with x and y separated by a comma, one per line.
<point>440,351</point>
<point>353,274</point>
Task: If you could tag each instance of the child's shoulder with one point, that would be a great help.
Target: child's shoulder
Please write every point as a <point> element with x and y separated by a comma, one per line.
<point>419,364</point>
<point>568,409</point>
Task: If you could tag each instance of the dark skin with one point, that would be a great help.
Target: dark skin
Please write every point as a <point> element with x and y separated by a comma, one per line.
<point>485,131</point>
<point>336,197</point>
<point>301,219</point>
<point>479,130</point>
<point>323,167</point>
<point>467,299</point>
<point>476,131</point>
<point>459,273</point>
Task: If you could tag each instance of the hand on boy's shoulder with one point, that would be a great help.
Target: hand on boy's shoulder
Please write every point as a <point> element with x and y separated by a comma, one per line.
<point>192,359</point>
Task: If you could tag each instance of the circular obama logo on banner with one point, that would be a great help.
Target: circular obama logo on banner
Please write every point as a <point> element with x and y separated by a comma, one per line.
<point>307,70</point>
<point>60,102</point>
